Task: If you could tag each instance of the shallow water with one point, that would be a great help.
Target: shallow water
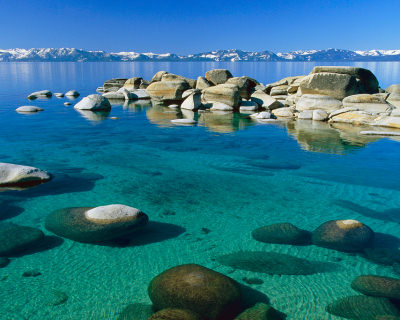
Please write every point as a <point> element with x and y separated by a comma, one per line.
<point>228,175</point>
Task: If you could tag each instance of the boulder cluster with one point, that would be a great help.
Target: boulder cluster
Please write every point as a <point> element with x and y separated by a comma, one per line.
<point>335,94</point>
<point>342,235</point>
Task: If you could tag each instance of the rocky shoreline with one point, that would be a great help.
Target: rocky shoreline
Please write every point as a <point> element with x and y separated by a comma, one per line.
<point>332,94</point>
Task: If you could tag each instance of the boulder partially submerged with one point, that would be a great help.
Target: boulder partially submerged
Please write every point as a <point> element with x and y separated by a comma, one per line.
<point>14,175</point>
<point>93,102</point>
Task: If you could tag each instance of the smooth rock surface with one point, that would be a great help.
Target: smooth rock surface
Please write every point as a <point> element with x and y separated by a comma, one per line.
<point>192,102</point>
<point>211,294</point>
<point>265,100</point>
<point>320,115</point>
<point>167,91</point>
<point>316,101</point>
<point>282,233</point>
<point>175,314</point>
<point>72,93</point>
<point>377,286</point>
<point>224,93</point>
<point>367,102</point>
<point>28,109</point>
<point>18,175</point>
<point>218,76</point>
<point>286,112</point>
<point>40,94</point>
<point>93,102</point>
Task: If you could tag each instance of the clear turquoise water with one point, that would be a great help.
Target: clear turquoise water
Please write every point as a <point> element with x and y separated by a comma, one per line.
<point>221,175</point>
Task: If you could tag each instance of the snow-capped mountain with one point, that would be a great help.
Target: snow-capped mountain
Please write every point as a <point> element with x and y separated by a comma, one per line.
<point>79,55</point>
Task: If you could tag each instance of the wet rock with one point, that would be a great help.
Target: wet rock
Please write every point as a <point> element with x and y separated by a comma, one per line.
<point>136,311</point>
<point>265,100</point>
<point>262,115</point>
<point>4,262</point>
<point>377,286</point>
<point>184,121</point>
<point>15,239</point>
<point>72,93</point>
<point>91,225</point>
<point>40,94</point>
<point>167,91</point>
<point>282,233</point>
<point>31,273</point>
<point>204,291</point>
<point>224,93</point>
<point>316,101</point>
<point>261,311</point>
<point>28,109</point>
<point>273,263</point>
<point>55,298</point>
<point>175,314</point>
<point>93,102</point>
<point>305,115</point>
<point>219,106</point>
<point>218,76</point>
<point>343,235</point>
<point>362,308</point>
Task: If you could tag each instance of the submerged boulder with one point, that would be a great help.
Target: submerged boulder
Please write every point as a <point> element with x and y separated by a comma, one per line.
<point>96,224</point>
<point>93,102</point>
<point>343,235</point>
<point>362,308</point>
<point>14,175</point>
<point>274,263</point>
<point>377,286</point>
<point>15,239</point>
<point>218,76</point>
<point>167,91</point>
<point>201,290</point>
<point>175,314</point>
<point>224,93</point>
<point>72,93</point>
<point>282,233</point>
<point>261,311</point>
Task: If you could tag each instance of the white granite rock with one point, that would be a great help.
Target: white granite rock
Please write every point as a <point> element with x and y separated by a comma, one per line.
<point>316,101</point>
<point>192,102</point>
<point>219,106</point>
<point>320,115</point>
<point>93,102</point>
<point>112,212</point>
<point>28,109</point>
<point>40,94</point>
<point>72,93</point>
<point>306,115</point>
<point>14,174</point>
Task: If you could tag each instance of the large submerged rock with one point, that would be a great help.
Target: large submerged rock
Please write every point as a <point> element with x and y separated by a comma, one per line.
<point>377,286</point>
<point>261,311</point>
<point>91,225</point>
<point>343,235</point>
<point>14,175</point>
<point>175,314</point>
<point>362,308</point>
<point>209,293</point>
<point>282,233</point>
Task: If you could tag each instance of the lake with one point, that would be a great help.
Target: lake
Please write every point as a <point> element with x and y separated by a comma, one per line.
<point>205,188</point>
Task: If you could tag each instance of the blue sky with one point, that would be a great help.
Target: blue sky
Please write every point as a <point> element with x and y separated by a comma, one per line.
<point>196,26</point>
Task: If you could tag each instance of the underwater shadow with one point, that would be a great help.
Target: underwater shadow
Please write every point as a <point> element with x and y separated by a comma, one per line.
<point>47,243</point>
<point>8,211</point>
<point>252,296</point>
<point>392,215</point>
<point>153,232</point>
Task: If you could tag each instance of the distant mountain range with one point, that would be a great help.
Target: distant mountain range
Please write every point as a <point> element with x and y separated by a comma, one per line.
<point>78,55</point>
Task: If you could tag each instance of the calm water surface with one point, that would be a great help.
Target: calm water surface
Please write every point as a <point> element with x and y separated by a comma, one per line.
<point>228,174</point>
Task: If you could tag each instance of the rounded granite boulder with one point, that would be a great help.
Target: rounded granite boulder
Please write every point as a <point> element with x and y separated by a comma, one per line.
<point>93,102</point>
<point>175,314</point>
<point>282,233</point>
<point>362,308</point>
<point>15,175</point>
<point>91,225</point>
<point>209,293</point>
<point>15,239</point>
<point>343,235</point>
<point>377,286</point>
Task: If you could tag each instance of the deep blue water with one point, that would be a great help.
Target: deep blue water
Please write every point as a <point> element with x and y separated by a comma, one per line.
<point>228,174</point>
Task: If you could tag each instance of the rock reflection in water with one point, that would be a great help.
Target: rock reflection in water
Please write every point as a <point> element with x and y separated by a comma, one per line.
<point>94,116</point>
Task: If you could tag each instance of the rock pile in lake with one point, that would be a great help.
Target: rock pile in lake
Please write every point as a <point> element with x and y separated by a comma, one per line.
<point>335,94</point>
